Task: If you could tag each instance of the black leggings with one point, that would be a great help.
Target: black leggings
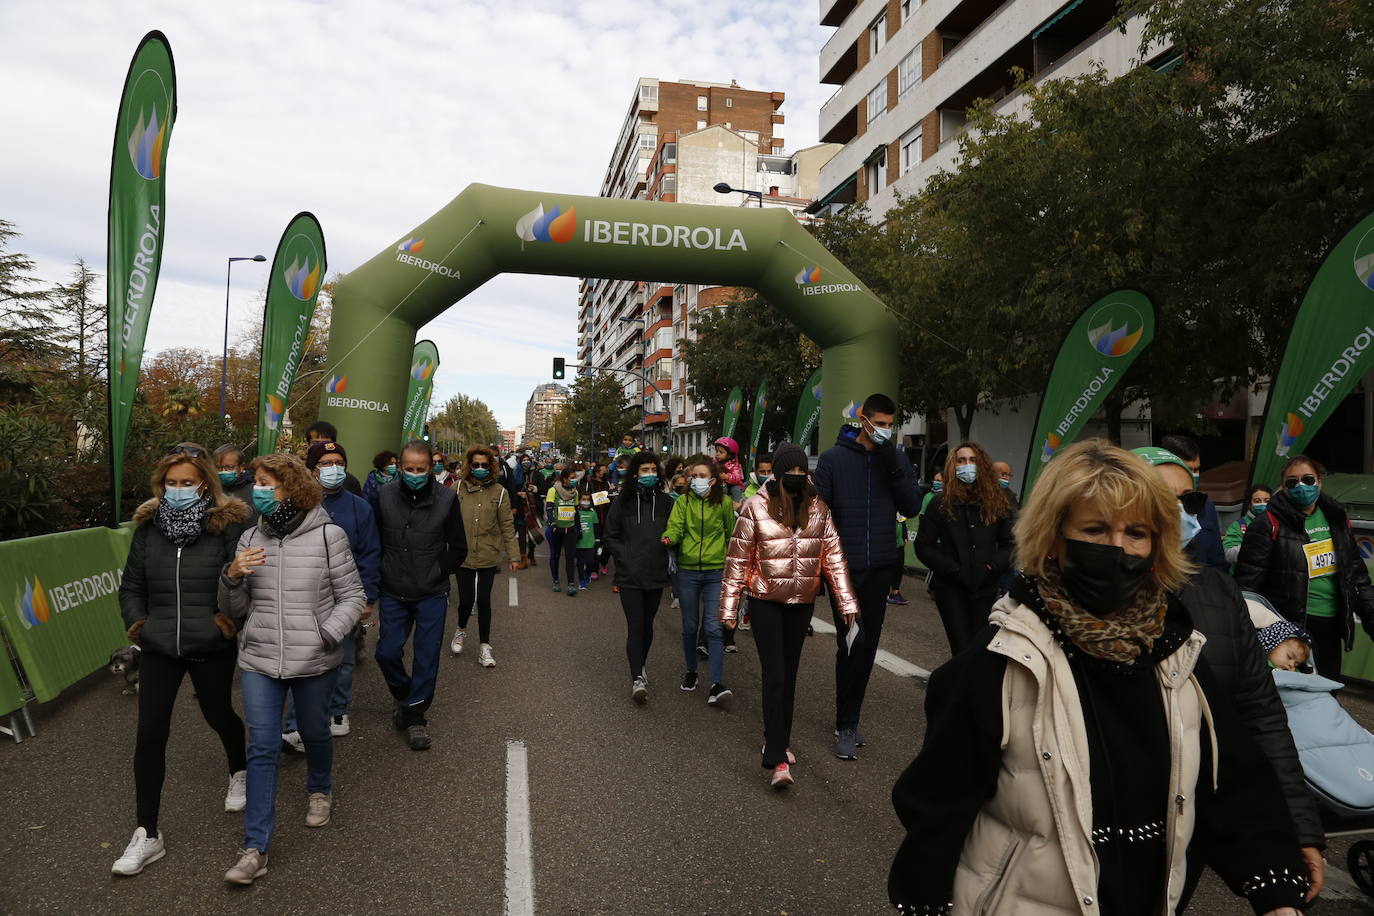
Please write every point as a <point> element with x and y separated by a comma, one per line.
<point>212,678</point>
<point>563,540</point>
<point>779,633</point>
<point>1328,644</point>
<point>474,587</point>
<point>963,613</point>
<point>640,605</point>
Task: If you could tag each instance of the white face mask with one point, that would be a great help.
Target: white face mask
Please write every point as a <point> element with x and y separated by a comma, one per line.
<point>967,473</point>
<point>700,486</point>
<point>879,435</point>
<point>1188,524</point>
<point>332,476</point>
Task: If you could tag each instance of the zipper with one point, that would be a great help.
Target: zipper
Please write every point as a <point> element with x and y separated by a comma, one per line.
<point>868,509</point>
<point>281,628</point>
<point>1175,777</point>
<point>178,601</point>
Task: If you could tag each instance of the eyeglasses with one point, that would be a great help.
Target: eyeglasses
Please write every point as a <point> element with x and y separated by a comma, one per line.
<point>189,451</point>
<point>1306,480</point>
<point>1193,501</point>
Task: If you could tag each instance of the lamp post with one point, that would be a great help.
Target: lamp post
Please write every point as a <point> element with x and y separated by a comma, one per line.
<point>224,360</point>
<point>722,187</point>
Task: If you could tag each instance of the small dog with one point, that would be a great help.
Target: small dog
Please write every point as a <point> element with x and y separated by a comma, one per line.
<point>125,661</point>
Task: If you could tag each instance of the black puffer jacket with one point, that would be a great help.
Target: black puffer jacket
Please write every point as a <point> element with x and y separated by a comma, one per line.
<point>635,524</point>
<point>175,590</point>
<point>423,541</point>
<point>1238,663</point>
<point>1273,564</point>
<point>964,550</point>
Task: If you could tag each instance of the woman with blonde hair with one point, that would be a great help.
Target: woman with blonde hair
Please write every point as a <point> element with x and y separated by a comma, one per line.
<point>183,536</point>
<point>295,589</point>
<point>965,540</point>
<point>1077,759</point>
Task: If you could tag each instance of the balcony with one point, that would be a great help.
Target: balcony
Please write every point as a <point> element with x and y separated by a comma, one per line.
<point>842,129</point>
<point>834,12</point>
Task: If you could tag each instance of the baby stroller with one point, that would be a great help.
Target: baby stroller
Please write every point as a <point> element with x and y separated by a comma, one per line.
<point>1337,755</point>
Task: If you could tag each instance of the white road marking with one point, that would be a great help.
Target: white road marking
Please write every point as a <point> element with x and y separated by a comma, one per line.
<point>885,659</point>
<point>513,599</point>
<point>519,840</point>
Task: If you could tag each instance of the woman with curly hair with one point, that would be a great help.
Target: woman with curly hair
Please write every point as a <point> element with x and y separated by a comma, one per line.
<point>183,536</point>
<point>965,540</point>
<point>295,589</point>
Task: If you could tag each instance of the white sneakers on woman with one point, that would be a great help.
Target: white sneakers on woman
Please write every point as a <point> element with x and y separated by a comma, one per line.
<point>484,657</point>
<point>236,799</point>
<point>456,647</point>
<point>141,852</point>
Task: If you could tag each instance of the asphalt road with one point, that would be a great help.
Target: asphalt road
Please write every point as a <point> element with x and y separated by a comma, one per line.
<point>655,809</point>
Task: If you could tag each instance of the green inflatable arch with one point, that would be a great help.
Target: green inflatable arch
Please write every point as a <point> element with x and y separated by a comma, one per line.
<point>379,307</point>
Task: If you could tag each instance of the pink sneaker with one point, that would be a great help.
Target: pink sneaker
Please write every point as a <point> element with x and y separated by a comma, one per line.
<point>782,776</point>
<point>594,575</point>
<point>791,758</point>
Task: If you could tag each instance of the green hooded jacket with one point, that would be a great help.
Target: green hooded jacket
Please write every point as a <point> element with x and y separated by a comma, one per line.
<point>700,532</point>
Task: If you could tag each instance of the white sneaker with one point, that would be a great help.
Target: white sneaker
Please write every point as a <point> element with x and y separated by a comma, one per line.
<point>237,797</point>
<point>676,604</point>
<point>292,742</point>
<point>456,647</point>
<point>338,725</point>
<point>484,656</point>
<point>141,852</point>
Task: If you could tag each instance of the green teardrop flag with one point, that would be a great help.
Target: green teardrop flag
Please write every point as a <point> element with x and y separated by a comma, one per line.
<point>138,171</point>
<point>1099,347</point>
<point>423,364</point>
<point>734,401</point>
<point>808,410</point>
<point>1330,348</point>
<point>760,407</point>
<point>292,290</point>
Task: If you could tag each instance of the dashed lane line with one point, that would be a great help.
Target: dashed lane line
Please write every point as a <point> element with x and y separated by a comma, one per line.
<point>885,659</point>
<point>519,838</point>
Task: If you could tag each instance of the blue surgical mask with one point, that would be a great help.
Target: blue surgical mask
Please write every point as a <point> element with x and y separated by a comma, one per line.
<point>1189,526</point>
<point>390,470</point>
<point>181,497</point>
<point>937,486</point>
<point>879,435</point>
<point>332,476</point>
<point>481,473</point>
<point>648,480</point>
<point>700,486</point>
<point>1258,509</point>
<point>967,473</point>
<point>1006,484</point>
<point>415,481</point>
<point>228,478</point>
<point>1304,494</point>
<point>265,500</point>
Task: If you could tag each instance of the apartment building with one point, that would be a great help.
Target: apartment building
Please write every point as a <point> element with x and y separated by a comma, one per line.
<point>907,71</point>
<point>540,409</point>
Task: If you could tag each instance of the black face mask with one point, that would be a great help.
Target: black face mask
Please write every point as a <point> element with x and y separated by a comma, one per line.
<point>794,483</point>
<point>1103,579</point>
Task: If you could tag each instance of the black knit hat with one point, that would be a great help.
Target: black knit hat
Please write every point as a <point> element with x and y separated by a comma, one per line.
<point>789,457</point>
<point>321,447</point>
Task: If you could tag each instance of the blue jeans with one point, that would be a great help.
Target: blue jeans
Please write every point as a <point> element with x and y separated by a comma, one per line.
<point>342,696</point>
<point>415,690</point>
<point>698,591</point>
<point>263,697</point>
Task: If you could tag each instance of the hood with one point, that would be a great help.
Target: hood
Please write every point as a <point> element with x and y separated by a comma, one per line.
<point>217,518</point>
<point>1287,511</point>
<point>849,438</point>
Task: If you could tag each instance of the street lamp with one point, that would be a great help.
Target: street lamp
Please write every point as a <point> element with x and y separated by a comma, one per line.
<point>224,360</point>
<point>722,187</point>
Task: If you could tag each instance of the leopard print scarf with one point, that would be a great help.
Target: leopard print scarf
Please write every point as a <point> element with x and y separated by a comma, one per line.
<point>1122,636</point>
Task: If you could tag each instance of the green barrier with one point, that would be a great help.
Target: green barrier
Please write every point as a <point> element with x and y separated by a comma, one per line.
<point>59,604</point>
<point>11,697</point>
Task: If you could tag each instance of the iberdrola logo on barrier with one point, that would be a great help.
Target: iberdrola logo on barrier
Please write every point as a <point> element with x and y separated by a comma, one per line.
<point>411,245</point>
<point>1364,260</point>
<point>1292,429</point>
<point>808,276</point>
<point>851,411</point>
<point>275,408</point>
<point>34,609</point>
<point>422,370</point>
<point>551,226</point>
<point>1051,446</point>
<point>336,384</point>
<point>1115,329</point>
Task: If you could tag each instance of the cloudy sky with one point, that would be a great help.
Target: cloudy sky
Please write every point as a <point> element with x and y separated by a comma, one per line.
<point>372,116</point>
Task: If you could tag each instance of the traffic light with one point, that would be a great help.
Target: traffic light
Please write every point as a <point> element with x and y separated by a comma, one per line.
<point>425,435</point>
<point>558,365</point>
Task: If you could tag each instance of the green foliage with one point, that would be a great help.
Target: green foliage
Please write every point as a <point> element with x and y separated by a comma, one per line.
<point>462,423</point>
<point>595,416</point>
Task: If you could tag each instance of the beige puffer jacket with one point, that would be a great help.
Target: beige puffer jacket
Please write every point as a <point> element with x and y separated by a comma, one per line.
<point>296,608</point>
<point>1030,850</point>
<point>487,522</point>
<point>771,561</point>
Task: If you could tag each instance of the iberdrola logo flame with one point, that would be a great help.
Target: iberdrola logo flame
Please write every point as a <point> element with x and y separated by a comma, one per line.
<point>336,384</point>
<point>808,275</point>
<point>422,370</point>
<point>1292,429</point>
<point>1364,260</point>
<point>733,407</point>
<point>145,145</point>
<point>1111,341</point>
<point>851,411</point>
<point>816,391</point>
<point>1051,446</point>
<point>275,408</point>
<point>33,604</point>
<point>411,245</point>
<point>302,280</point>
<point>552,226</point>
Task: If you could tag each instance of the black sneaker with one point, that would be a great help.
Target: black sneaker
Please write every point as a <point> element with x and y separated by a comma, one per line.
<point>398,715</point>
<point>418,738</point>
<point>702,650</point>
<point>689,681</point>
<point>719,694</point>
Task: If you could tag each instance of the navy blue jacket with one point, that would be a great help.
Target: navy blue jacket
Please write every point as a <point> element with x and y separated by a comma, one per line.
<point>354,515</point>
<point>865,496</point>
<point>1207,543</point>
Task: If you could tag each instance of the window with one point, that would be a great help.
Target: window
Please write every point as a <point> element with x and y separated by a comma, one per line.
<point>729,102</point>
<point>877,34</point>
<point>876,173</point>
<point>701,103</point>
<point>647,141</point>
<point>664,373</point>
<point>907,7</point>
<point>668,185</point>
<point>669,153</point>
<point>910,147</point>
<point>877,101</point>
<point>909,71</point>
<point>663,339</point>
<point>701,125</point>
<point>648,93</point>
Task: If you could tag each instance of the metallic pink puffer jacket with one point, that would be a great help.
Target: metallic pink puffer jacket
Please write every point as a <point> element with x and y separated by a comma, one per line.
<point>771,561</point>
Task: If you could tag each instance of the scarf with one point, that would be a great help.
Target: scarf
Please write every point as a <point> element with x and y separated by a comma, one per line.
<point>182,526</point>
<point>1122,636</point>
<point>282,519</point>
<point>564,492</point>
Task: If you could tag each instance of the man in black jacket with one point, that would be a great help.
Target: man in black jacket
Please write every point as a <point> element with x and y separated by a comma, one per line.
<point>234,478</point>
<point>866,482</point>
<point>1238,663</point>
<point>423,543</point>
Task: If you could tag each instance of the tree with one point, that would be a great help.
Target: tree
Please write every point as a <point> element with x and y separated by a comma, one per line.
<point>32,343</point>
<point>462,423</point>
<point>595,415</point>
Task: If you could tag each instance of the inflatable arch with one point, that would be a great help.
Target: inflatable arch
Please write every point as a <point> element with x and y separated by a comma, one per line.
<point>379,307</point>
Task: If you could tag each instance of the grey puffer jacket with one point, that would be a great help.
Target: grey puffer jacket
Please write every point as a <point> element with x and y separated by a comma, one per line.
<point>296,608</point>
